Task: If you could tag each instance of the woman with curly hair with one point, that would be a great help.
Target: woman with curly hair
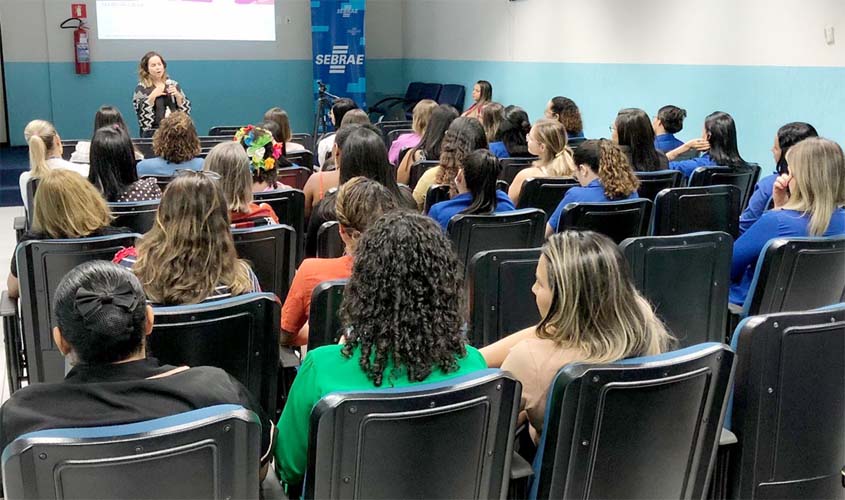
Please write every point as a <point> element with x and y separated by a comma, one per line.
<point>591,313</point>
<point>403,316</point>
<point>176,147</point>
<point>604,174</point>
<point>464,136</point>
<point>564,110</point>
<point>189,256</point>
<point>548,142</point>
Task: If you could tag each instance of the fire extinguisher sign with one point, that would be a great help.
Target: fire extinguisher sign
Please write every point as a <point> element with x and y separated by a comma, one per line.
<point>78,10</point>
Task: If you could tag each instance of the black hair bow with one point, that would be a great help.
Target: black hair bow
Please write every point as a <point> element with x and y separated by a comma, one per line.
<point>89,303</point>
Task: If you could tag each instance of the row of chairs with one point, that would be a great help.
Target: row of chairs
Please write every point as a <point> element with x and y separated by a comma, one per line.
<point>403,107</point>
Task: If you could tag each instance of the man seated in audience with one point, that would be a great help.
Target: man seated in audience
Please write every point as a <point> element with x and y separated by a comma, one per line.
<point>668,122</point>
<point>102,322</point>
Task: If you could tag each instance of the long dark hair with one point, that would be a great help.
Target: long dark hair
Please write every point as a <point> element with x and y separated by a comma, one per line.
<point>481,169</point>
<point>513,131</point>
<point>722,137</point>
<point>112,162</point>
<point>404,302</point>
<point>109,115</point>
<point>486,90</point>
<point>441,118</point>
<point>464,136</point>
<point>635,131</point>
<point>364,155</point>
<point>790,135</point>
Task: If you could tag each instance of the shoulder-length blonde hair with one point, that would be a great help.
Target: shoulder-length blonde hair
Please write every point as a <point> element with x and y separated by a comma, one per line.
<point>491,116</point>
<point>41,137</point>
<point>176,139</point>
<point>595,307</point>
<point>232,163</point>
<point>422,112</point>
<point>557,157</point>
<point>190,251</point>
<point>818,167</point>
<point>280,117</point>
<point>68,206</point>
<point>143,68</point>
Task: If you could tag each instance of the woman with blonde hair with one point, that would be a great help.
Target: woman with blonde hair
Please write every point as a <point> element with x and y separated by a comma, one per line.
<point>189,255</point>
<point>233,165</point>
<point>492,117</point>
<point>591,313</point>
<point>66,206</point>
<point>422,112</point>
<point>280,117</point>
<point>547,141</point>
<point>604,174</point>
<point>808,199</point>
<point>176,147</point>
<point>45,153</point>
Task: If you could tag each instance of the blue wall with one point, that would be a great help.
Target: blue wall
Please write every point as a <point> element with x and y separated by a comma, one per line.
<point>760,98</point>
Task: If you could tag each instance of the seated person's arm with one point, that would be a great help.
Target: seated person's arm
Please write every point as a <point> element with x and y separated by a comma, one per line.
<point>495,353</point>
<point>13,287</point>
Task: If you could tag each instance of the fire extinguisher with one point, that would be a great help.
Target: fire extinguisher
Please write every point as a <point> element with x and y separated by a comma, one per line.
<point>81,50</point>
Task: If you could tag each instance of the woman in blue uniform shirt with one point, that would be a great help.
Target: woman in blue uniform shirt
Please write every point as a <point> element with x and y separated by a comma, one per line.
<point>718,140</point>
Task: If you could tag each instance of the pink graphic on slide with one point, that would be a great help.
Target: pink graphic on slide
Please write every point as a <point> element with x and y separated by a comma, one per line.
<point>257,2</point>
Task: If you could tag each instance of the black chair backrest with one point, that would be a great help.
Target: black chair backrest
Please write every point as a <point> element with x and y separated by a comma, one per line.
<point>460,430</point>
<point>387,126</point>
<point>502,186</point>
<point>788,411</point>
<point>305,139</point>
<point>617,219</point>
<point>329,243</point>
<point>289,206</point>
<point>144,145</point>
<point>512,166</point>
<point>476,233</point>
<point>271,252</point>
<point>429,91</point>
<point>394,134</point>
<point>238,334</point>
<point>691,209</point>
<point>418,169</point>
<point>207,453</point>
<point>304,159</point>
<point>209,141</point>
<point>68,146</point>
<point>652,183</point>
<point>642,428</point>
<point>31,188</point>
<point>797,274</point>
<point>224,130</point>
<point>745,179</point>
<point>323,321</point>
<point>435,194</point>
<point>686,278</point>
<point>453,95</point>
<point>544,193</point>
<point>500,297</point>
<point>295,177</point>
<point>139,216</point>
<point>41,266</point>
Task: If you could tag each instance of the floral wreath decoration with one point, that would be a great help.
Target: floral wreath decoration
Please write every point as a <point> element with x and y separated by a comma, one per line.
<point>256,141</point>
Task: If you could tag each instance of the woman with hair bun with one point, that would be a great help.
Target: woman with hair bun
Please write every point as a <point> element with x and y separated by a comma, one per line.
<point>512,136</point>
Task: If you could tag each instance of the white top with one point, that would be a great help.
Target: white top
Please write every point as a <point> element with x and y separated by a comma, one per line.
<point>324,148</point>
<point>82,153</point>
<point>79,168</point>
<point>290,147</point>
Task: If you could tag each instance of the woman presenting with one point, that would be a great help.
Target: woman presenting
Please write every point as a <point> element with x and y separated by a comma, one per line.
<point>156,95</point>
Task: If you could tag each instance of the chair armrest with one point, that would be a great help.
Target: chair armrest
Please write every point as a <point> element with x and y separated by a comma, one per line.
<point>727,438</point>
<point>288,358</point>
<point>520,468</point>
<point>19,225</point>
<point>7,305</point>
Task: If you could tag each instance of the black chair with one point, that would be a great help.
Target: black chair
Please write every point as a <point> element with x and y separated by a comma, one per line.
<point>797,274</point>
<point>500,297</point>
<point>212,452</point>
<point>745,179</point>
<point>304,158</point>
<point>323,321</point>
<point>686,278</point>
<point>271,252</point>
<point>31,188</point>
<point>788,412</point>
<point>508,230</point>
<point>435,194</point>
<point>544,193</point>
<point>692,209</point>
<point>295,177</point>
<point>394,134</point>
<point>68,146</point>
<point>304,139</point>
<point>512,166</point>
<point>139,216</point>
<point>144,145</point>
<point>652,183</point>
<point>418,169</point>
<point>450,439</point>
<point>238,334</point>
<point>616,219</point>
<point>453,95</point>
<point>209,141</point>
<point>502,186</point>
<point>641,428</point>
<point>399,105</point>
<point>329,243</point>
<point>224,130</point>
<point>388,126</point>
<point>289,206</point>
<point>41,266</point>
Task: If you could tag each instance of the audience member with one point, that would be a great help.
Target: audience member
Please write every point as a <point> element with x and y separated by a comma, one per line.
<point>787,136</point>
<point>422,112</point>
<point>591,313</point>
<point>285,133</point>
<point>189,255</point>
<point>66,206</point>
<point>113,168</point>
<point>492,117</point>
<point>264,179</point>
<point>668,122</point>
<point>808,200</point>
<point>156,95</point>
<point>360,202</point>
<point>604,174</point>
<point>353,117</point>
<point>403,315</point>
<point>718,140</point>
<point>477,193</point>
<point>482,93</point>
<point>102,321</point>
<point>547,141</point>
<point>633,132</point>
<point>429,148</point>
<point>511,138</point>
<point>104,117</point>
<point>566,112</point>
<point>464,136</point>
<point>176,147</point>
<point>339,109</point>
<point>45,153</point>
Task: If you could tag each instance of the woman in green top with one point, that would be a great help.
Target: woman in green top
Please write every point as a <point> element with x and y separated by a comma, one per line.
<point>403,314</point>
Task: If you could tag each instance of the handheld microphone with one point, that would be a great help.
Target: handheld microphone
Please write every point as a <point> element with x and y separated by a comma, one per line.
<point>170,82</point>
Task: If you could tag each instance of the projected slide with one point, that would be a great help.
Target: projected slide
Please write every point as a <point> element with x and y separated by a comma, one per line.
<point>186,20</point>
